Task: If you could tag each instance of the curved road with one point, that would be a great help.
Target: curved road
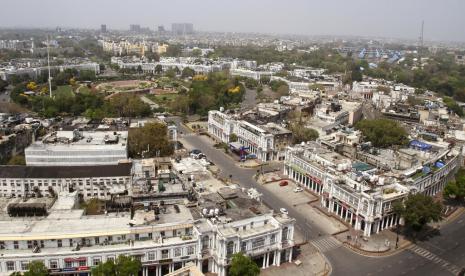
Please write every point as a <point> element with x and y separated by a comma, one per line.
<point>441,255</point>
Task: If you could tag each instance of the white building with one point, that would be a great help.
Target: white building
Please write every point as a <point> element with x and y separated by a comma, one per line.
<point>267,142</point>
<point>361,195</point>
<point>163,239</point>
<point>89,181</point>
<point>74,148</point>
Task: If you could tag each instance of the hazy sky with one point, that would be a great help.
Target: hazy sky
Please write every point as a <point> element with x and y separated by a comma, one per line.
<point>444,19</point>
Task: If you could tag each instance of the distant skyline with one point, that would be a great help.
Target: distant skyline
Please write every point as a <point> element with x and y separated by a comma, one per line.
<point>444,20</point>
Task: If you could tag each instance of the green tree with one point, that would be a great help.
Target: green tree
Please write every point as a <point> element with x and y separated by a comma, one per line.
<point>149,141</point>
<point>187,72</point>
<point>233,138</point>
<point>196,52</point>
<point>242,265</point>
<point>17,160</point>
<point>382,132</point>
<point>418,210</point>
<point>36,268</point>
<point>122,266</point>
<point>158,69</point>
<point>455,189</point>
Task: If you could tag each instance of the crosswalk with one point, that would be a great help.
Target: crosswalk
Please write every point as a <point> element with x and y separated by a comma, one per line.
<point>326,244</point>
<point>435,259</point>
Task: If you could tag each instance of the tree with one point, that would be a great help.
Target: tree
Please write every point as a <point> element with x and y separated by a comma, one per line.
<point>36,268</point>
<point>382,132</point>
<point>187,72</point>
<point>149,141</point>
<point>158,69</point>
<point>242,265</point>
<point>17,160</point>
<point>122,266</point>
<point>418,210</point>
<point>233,138</point>
<point>455,189</point>
<point>32,86</point>
<point>196,52</point>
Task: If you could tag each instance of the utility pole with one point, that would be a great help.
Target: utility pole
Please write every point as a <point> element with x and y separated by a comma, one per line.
<point>48,64</point>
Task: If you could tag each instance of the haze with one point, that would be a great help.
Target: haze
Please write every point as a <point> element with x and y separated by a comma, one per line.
<point>444,19</point>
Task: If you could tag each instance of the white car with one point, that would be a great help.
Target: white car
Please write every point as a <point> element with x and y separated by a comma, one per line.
<point>283,211</point>
<point>298,190</point>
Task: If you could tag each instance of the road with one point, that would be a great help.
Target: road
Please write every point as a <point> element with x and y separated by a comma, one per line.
<point>441,255</point>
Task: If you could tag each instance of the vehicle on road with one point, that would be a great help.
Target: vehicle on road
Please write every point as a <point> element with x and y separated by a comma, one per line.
<point>283,211</point>
<point>283,183</point>
<point>298,190</point>
<point>196,154</point>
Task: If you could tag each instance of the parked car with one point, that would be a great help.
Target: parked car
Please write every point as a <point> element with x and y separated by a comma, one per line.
<point>196,154</point>
<point>283,183</point>
<point>283,211</point>
<point>298,190</point>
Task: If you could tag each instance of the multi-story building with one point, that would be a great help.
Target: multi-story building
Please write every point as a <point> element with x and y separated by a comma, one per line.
<point>103,28</point>
<point>89,181</point>
<point>360,194</point>
<point>74,148</point>
<point>266,141</point>
<point>164,238</point>
<point>182,28</point>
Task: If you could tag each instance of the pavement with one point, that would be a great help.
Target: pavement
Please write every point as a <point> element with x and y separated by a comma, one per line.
<point>439,255</point>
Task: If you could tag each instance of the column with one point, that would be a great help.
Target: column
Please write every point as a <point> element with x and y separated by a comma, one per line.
<point>274,257</point>
<point>278,257</point>
<point>290,254</point>
<point>264,259</point>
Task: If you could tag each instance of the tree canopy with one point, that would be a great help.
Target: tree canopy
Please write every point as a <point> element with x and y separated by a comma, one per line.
<point>149,141</point>
<point>455,189</point>
<point>418,210</point>
<point>382,132</point>
<point>36,268</point>
<point>242,265</point>
<point>122,266</point>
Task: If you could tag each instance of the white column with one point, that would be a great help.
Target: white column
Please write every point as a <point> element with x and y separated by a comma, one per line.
<point>278,258</point>
<point>264,259</point>
<point>290,254</point>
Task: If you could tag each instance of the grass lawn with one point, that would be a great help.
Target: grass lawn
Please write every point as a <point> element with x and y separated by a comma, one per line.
<point>163,99</point>
<point>63,89</point>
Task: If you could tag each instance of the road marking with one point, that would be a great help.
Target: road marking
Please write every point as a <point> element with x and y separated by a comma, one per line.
<point>326,244</point>
<point>434,258</point>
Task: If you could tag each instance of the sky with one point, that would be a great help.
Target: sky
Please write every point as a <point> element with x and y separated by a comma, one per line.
<point>444,19</point>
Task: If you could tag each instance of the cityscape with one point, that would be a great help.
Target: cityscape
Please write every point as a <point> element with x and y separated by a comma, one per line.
<point>198,141</point>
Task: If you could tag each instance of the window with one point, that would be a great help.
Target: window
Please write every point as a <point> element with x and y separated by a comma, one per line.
<point>10,266</point>
<point>244,246</point>
<point>150,235</point>
<point>53,264</point>
<point>111,258</point>
<point>123,237</point>
<point>83,262</point>
<point>68,264</point>
<point>259,242</point>
<point>95,261</point>
<point>42,244</point>
<point>137,237</point>
<point>110,238</point>
<point>177,252</point>
<point>15,245</point>
<point>165,254</point>
<point>151,256</point>
<point>174,233</point>
<point>70,243</point>
<point>24,265</point>
<point>97,240</point>
<point>2,245</point>
<point>59,243</point>
<point>230,248</point>
<point>273,238</point>
<point>162,234</point>
<point>190,250</point>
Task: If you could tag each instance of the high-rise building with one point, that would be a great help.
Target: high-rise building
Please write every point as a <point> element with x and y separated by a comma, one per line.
<point>103,28</point>
<point>161,29</point>
<point>182,28</point>
<point>134,28</point>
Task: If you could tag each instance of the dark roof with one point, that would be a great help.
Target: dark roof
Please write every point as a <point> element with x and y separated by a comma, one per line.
<point>123,169</point>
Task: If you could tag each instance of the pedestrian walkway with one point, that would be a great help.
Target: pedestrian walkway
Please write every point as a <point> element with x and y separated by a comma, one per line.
<point>326,244</point>
<point>434,258</point>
